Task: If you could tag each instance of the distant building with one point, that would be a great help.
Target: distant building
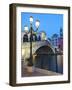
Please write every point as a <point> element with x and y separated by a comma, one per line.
<point>61,33</point>
<point>60,44</point>
<point>57,40</point>
<point>43,36</point>
<point>54,40</point>
<point>60,40</point>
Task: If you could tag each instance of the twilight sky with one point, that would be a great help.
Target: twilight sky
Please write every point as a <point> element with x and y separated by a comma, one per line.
<point>49,23</point>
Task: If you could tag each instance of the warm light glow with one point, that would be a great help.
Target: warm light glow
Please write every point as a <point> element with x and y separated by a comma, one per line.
<point>37,23</point>
<point>27,53</point>
<point>31,19</point>
<point>23,52</point>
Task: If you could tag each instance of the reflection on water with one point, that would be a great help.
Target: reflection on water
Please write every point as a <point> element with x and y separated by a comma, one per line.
<point>49,62</point>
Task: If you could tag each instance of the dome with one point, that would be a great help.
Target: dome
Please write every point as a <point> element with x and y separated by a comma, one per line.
<point>55,36</point>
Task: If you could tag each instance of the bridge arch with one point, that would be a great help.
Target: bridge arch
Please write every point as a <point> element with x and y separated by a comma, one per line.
<point>44,58</point>
<point>46,49</point>
<point>40,44</point>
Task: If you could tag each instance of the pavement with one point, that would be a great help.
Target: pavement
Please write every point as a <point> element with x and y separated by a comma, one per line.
<point>37,72</point>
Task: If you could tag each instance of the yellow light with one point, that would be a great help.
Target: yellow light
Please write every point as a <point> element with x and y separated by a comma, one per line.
<point>23,52</point>
<point>27,50</point>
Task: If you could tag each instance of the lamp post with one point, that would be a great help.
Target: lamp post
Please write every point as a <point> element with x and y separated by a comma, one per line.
<point>30,62</point>
<point>37,23</point>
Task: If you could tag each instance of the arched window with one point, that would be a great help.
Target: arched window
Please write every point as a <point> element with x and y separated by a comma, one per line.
<point>25,38</point>
<point>39,38</point>
<point>33,37</point>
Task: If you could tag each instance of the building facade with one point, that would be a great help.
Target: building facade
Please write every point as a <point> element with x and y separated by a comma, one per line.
<point>57,40</point>
<point>36,36</point>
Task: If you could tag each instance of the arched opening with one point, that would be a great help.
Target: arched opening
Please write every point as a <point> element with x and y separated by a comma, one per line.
<point>44,50</point>
<point>39,38</point>
<point>45,58</point>
<point>33,37</point>
<point>25,38</point>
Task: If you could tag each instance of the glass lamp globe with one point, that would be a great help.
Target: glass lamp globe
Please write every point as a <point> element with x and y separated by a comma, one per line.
<point>37,23</point>
<point>31,19</point>
<point>26,29</point>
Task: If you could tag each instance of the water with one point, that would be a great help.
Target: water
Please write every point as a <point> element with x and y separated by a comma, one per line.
<point>49,62</point>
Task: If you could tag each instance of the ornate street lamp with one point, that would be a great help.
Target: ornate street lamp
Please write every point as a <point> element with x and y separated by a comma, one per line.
<point>31,19</point>
<point>30,62</point>
<point>37,24</point>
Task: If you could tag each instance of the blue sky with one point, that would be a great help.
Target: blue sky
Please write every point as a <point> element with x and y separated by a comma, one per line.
<point>49,23</point>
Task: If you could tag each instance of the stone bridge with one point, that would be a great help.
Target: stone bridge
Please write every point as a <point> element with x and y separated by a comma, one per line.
<point>35,46</point>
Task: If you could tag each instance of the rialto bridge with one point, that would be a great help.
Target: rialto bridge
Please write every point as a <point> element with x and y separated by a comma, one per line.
<point>35,46</point>
<point>41,60</point>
